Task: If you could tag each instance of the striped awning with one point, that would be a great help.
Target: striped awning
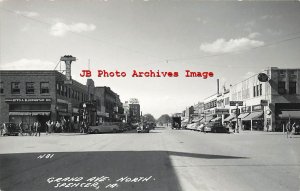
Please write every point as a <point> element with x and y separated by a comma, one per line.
<point>216,119</point>
<point>253,116</point>
<point>230,117</point>
<point>241,116</point>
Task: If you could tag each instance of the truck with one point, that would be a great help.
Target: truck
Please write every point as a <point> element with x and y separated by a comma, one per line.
<point>176,122</point>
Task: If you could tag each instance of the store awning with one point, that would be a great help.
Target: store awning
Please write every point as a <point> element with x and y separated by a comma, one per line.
<point>30,113</point>
<point>253,116</point>
<point>290,114</point>
<point>208,118</point>
<point>197,120</point>
<point>185,121</point>
<point>230,117</point>
<point>241,116</point>
<point>216,119</point>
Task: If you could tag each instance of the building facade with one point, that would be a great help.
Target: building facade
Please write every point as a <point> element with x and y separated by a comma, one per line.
<point>268,105</point>
<point>30,96</point>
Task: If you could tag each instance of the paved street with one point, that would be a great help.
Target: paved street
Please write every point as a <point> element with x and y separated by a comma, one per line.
<point>162,160</point>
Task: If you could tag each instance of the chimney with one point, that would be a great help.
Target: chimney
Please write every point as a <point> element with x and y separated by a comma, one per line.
<point>218,88</point>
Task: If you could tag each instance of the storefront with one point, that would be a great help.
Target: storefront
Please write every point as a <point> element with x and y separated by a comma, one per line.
<point>29,110</point>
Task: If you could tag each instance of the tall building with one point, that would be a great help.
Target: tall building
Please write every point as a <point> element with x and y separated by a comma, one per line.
<point>134,112</point>
<point>111,106</point>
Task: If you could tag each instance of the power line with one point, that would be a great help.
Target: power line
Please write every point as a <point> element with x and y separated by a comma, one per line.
<point>226,53</point>
<point>85,36</point>
<point>161,60</point>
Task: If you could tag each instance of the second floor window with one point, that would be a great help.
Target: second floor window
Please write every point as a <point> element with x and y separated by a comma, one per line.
<point>292,87</point>
<point>281,87</point>
<point>29,88</point>
<point>1,88</point>
<point>44,87</point>
<point>15,88</point>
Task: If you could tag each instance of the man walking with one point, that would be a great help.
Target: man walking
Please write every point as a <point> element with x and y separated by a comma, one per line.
<point>37,127</point>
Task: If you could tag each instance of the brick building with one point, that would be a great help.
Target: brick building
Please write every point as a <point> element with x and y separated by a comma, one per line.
<point>43,95</point>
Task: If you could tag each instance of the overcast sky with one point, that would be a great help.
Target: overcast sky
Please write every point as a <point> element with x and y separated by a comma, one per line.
<point>232,39</point>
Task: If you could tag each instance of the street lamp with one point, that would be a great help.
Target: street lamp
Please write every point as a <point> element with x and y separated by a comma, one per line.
<point>237,117</point>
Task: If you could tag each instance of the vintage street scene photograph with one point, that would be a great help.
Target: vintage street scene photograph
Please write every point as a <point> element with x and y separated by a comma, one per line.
<point>149,95</point>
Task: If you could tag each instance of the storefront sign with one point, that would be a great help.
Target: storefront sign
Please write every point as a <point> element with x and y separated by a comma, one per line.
<point>18,100</point>
<point>264,102</point>
<point>233,103</point>
<point>221,111</point>
<point>257,107</point>
<point>246,109</point>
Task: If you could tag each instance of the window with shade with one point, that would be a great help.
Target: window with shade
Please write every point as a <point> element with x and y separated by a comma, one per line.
<point>44,87</point>
<point>29,87</point>
<point>15,88</point>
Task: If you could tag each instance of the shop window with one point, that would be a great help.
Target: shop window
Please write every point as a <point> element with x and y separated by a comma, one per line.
<point>29,87</point>
<point>15,88</point>
<point>44,87</point>
<point>65,91</point>
<point>58,88</point>
<point>260,89</point>
<point>292,87</point>
<point>1,88</point>
<point>281,87</point>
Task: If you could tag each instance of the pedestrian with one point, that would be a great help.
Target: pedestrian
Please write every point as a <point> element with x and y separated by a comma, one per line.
<point>57,126</point>
<point>293,128</point>
<point>82,127</point>
<point>288,128</point>
<point>48,126</point>
<point>37,127</point>
<point>21,128</point>
<point>267,126</point>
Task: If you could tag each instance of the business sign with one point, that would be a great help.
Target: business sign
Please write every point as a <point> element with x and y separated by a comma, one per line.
<point>221,111</point>
<point>257,108</point>
<point>264,102</point>
<point>233,103</point>
<point>262,77</point>
<point>246,109</point>
<point>20,100</point>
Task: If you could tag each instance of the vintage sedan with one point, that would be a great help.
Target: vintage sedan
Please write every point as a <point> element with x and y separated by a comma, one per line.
<point>215,127</point>
<point>9,129</point>
<point>106,127</point>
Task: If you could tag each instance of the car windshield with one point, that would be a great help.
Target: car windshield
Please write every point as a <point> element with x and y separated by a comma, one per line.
<point>11,126</point>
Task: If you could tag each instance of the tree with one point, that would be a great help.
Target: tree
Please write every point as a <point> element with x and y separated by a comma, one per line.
<point>149,118</point>
<point>164,119</point>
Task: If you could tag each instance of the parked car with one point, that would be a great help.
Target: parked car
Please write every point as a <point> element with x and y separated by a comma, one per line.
<point>143,128</point>
<point>9,129</point>
<point>200,127</point>
<point>106,127</point>
<point>215,127</point>
<point>192,126</point>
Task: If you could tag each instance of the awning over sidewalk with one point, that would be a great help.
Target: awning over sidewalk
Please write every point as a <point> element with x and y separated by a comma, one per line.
<point>229,118</point>
<point>216,119</point>
<point>185,121</point>
<point>241,116</point>
<point>197,119</point>
<point>253,116</point>
<point>290,114</point>
<point>208,118</point>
